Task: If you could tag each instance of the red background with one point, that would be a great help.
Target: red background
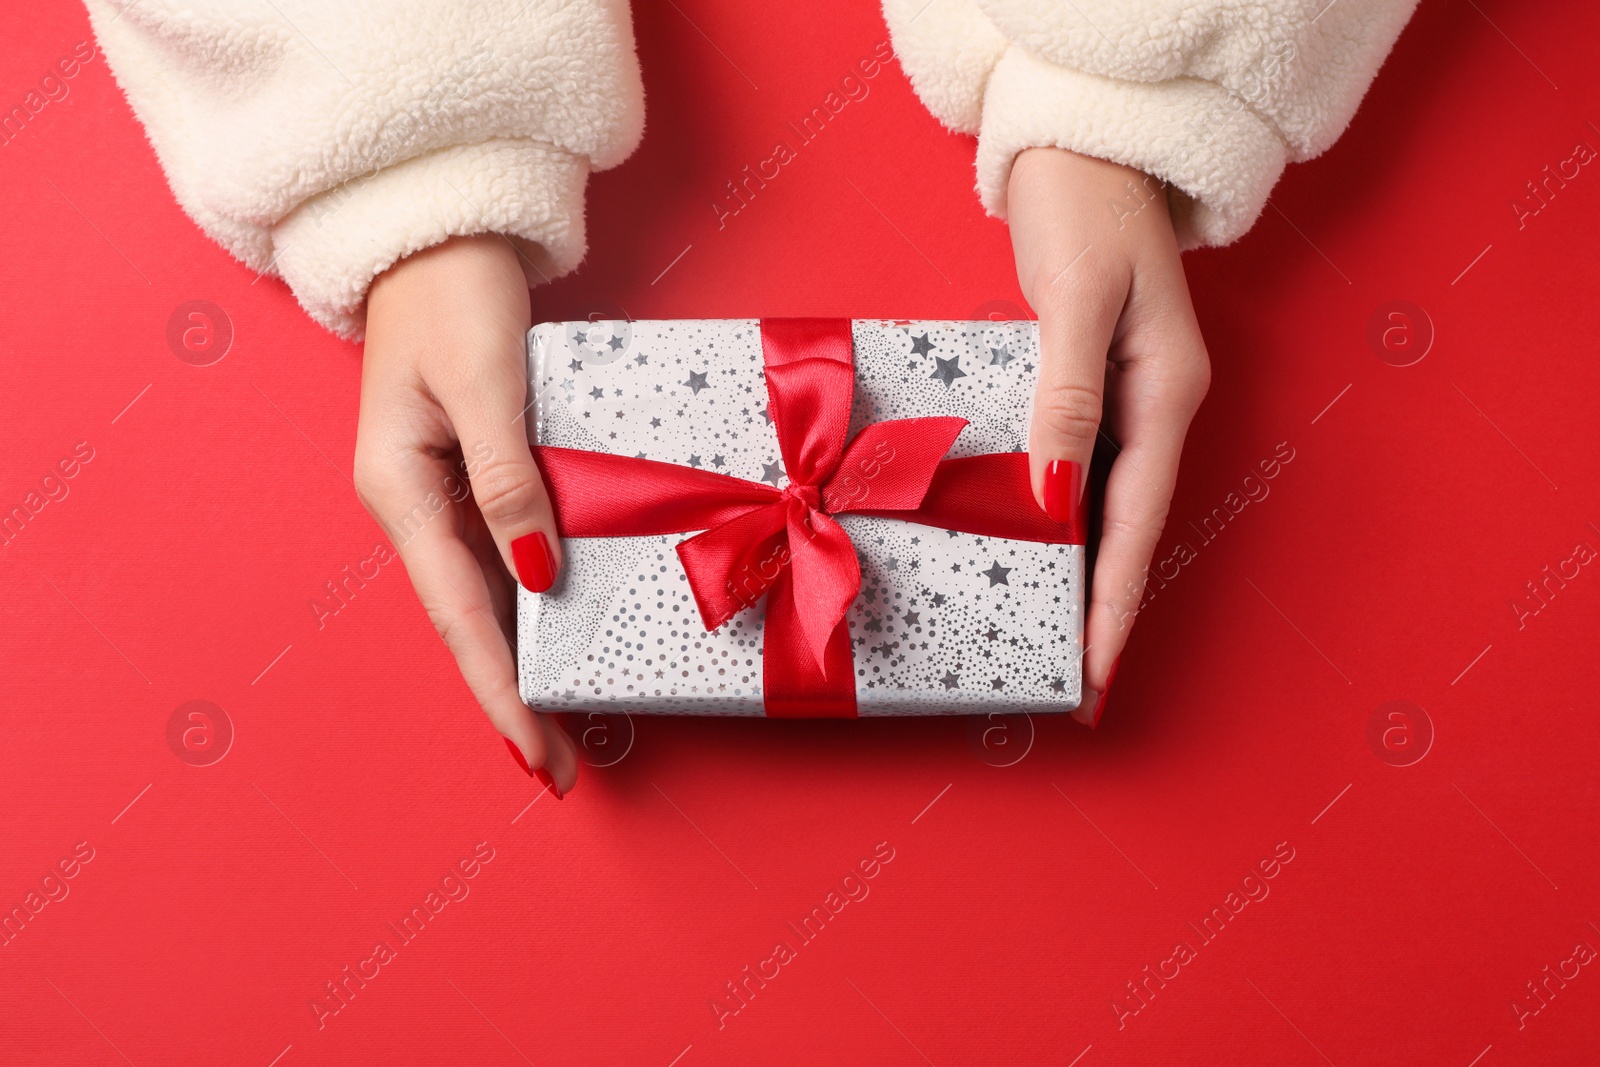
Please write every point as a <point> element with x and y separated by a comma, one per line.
<point>1382,566</point>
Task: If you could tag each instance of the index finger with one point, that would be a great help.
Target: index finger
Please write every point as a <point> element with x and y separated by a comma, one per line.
<point>1157,391</point>
<point>454,589</point>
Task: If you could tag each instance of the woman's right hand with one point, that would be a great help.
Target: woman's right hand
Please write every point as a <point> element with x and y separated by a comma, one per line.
<point>444,386</point>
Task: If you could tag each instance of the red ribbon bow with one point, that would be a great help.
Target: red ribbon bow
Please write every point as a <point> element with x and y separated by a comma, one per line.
<point>784,544</point>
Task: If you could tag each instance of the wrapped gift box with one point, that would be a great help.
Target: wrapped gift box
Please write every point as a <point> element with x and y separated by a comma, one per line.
<point>945,621</point>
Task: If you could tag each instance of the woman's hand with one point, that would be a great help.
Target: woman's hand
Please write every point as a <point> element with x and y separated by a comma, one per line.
<point>443,387</point>
<point>1097,259</point>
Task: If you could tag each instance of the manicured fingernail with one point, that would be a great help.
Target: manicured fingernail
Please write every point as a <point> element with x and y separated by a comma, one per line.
<point>1100,705</point>
<point>536,564</point>
<point>541,774</point>
<point>1063,479</point>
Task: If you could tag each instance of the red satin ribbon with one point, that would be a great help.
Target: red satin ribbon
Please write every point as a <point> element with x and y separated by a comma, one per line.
<point>783,544</point>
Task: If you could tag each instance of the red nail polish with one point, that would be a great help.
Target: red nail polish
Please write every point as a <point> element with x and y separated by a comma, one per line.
<point>1063,479</point>
<point>1100,705</point>
<point>541,774</point>
<point>536,564</point>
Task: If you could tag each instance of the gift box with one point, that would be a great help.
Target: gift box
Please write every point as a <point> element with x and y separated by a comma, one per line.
<point>796,517</point>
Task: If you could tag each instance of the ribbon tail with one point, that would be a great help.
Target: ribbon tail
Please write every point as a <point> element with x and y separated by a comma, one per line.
<point>794,686</point>
<point>825,574</point>
<point>730,566</point>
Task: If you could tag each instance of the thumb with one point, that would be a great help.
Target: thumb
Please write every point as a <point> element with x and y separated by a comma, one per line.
<point>488,417</point>
<point>1074,337</point>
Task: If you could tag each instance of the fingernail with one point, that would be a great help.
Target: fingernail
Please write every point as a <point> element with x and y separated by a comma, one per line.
<point>1100,705</point>
<point>516,754</point>
<point>541,774</point>
<point>536,564</point>
<point>1063,479</point>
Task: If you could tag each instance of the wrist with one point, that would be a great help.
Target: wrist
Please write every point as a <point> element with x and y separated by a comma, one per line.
<point>1064,168</point>
<point>458,271</point>
<point>461,296</point>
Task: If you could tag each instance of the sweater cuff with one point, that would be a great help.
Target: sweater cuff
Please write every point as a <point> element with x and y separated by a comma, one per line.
<point>1222,157</point>
<point>947,48</point>
<point>331,247</point>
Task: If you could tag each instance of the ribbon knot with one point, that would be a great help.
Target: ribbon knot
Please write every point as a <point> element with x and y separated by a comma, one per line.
<point>785,545</point>
<point>808,497</point>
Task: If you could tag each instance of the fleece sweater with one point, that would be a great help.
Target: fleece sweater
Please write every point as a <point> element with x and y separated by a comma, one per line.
<point>323,142</point>
<point>1211,96</point>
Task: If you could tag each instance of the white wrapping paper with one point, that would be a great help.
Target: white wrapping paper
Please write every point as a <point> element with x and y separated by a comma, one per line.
<point>946,622</point>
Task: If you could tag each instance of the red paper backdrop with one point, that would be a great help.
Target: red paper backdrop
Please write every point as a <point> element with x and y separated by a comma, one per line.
<point>1021,899</point>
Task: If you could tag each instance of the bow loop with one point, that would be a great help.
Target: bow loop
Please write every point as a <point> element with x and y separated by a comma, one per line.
<point>811,380</point>
<point>890,465</point>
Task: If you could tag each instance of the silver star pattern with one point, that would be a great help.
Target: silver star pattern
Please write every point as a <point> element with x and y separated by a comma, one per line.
<point>931,601</point>
<point>949,370</point>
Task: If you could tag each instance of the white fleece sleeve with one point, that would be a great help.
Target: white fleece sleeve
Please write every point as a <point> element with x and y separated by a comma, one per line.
<point>324,140</point>
<point>1213,96</point>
